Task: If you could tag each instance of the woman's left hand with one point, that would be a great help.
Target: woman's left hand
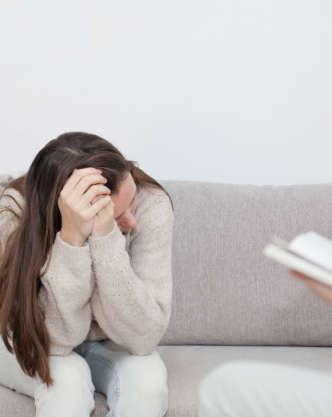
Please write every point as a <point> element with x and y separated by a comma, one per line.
<point>322,290</point>
<point>104,219</point>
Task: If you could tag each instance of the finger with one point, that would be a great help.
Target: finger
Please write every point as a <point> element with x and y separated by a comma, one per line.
<point>93,192</point>
<point>305,278</point>
<point>98,197</point>
<point>98,205</point>
<point>319,286</point>
<point>107,211</point>
<point>87,181</point>
<point>297,274</point>
<point>76,176</point>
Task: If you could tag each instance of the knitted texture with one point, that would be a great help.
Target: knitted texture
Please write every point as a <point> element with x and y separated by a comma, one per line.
<point>116,287</point>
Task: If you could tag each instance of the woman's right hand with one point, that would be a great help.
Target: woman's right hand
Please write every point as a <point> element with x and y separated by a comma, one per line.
<point>74,202</point>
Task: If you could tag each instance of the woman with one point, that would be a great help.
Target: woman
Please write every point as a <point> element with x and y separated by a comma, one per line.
<point>86,283</point>
<point>261,389</point>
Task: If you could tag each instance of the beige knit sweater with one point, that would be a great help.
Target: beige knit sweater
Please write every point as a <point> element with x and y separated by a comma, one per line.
<point>116,287</point>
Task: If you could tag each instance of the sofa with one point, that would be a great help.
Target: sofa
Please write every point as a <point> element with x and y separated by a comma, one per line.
<point>230,302</point>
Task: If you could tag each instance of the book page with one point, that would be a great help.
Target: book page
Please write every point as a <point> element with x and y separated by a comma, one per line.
<point>313,246</point>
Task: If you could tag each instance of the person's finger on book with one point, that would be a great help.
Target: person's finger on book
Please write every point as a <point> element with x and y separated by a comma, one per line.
<point>324,291</point>
<point>299,275</point>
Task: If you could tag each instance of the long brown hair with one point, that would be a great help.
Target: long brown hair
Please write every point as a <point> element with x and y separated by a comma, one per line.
<point>29,243</point>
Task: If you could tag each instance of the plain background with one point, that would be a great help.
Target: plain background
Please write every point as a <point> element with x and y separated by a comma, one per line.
<point>232,91</point>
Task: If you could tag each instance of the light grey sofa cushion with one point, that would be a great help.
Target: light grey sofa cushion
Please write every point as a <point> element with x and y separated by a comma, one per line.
<point>225,290</point>
<point>186,366</point>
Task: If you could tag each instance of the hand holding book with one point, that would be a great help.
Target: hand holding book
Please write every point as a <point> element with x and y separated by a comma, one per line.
<point>309,257</point>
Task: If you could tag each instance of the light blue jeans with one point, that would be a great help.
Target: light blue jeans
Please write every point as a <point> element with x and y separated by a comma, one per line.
<point>134,385</point>
<point>264,389</point>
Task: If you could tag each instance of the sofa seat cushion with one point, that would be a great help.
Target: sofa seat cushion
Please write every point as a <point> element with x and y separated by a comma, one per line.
<point>187,366</point>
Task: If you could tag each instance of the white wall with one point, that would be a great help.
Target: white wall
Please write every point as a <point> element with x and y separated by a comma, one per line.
<point>232,91</point>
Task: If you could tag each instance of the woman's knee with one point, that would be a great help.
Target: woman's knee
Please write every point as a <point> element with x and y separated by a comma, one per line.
<point>71,370</point>
<point>144,380</point>
<point>147,372</point>
<point>72,392</point>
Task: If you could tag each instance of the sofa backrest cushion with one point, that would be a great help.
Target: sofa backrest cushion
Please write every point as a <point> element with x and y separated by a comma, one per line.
<point>225,290</point>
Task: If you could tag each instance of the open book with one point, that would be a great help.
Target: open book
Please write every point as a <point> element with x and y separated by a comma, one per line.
<point>308,253</point>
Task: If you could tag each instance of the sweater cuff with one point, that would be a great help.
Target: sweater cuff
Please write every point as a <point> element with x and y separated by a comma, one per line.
<point>68,245</point>
<point>105,248</point>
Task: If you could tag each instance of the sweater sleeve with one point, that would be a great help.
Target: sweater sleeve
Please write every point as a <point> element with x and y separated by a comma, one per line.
<point>67,285</point>
<point>132,299</point>
<point>65,294</point>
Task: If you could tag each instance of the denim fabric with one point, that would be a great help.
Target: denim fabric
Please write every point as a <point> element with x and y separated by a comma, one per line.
<point>103,371</point>
<point>134,385</point>
<point>71,395</point>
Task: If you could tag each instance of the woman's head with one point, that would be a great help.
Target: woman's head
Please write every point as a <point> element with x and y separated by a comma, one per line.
<point>56,161</point>
<point>28,245</point>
